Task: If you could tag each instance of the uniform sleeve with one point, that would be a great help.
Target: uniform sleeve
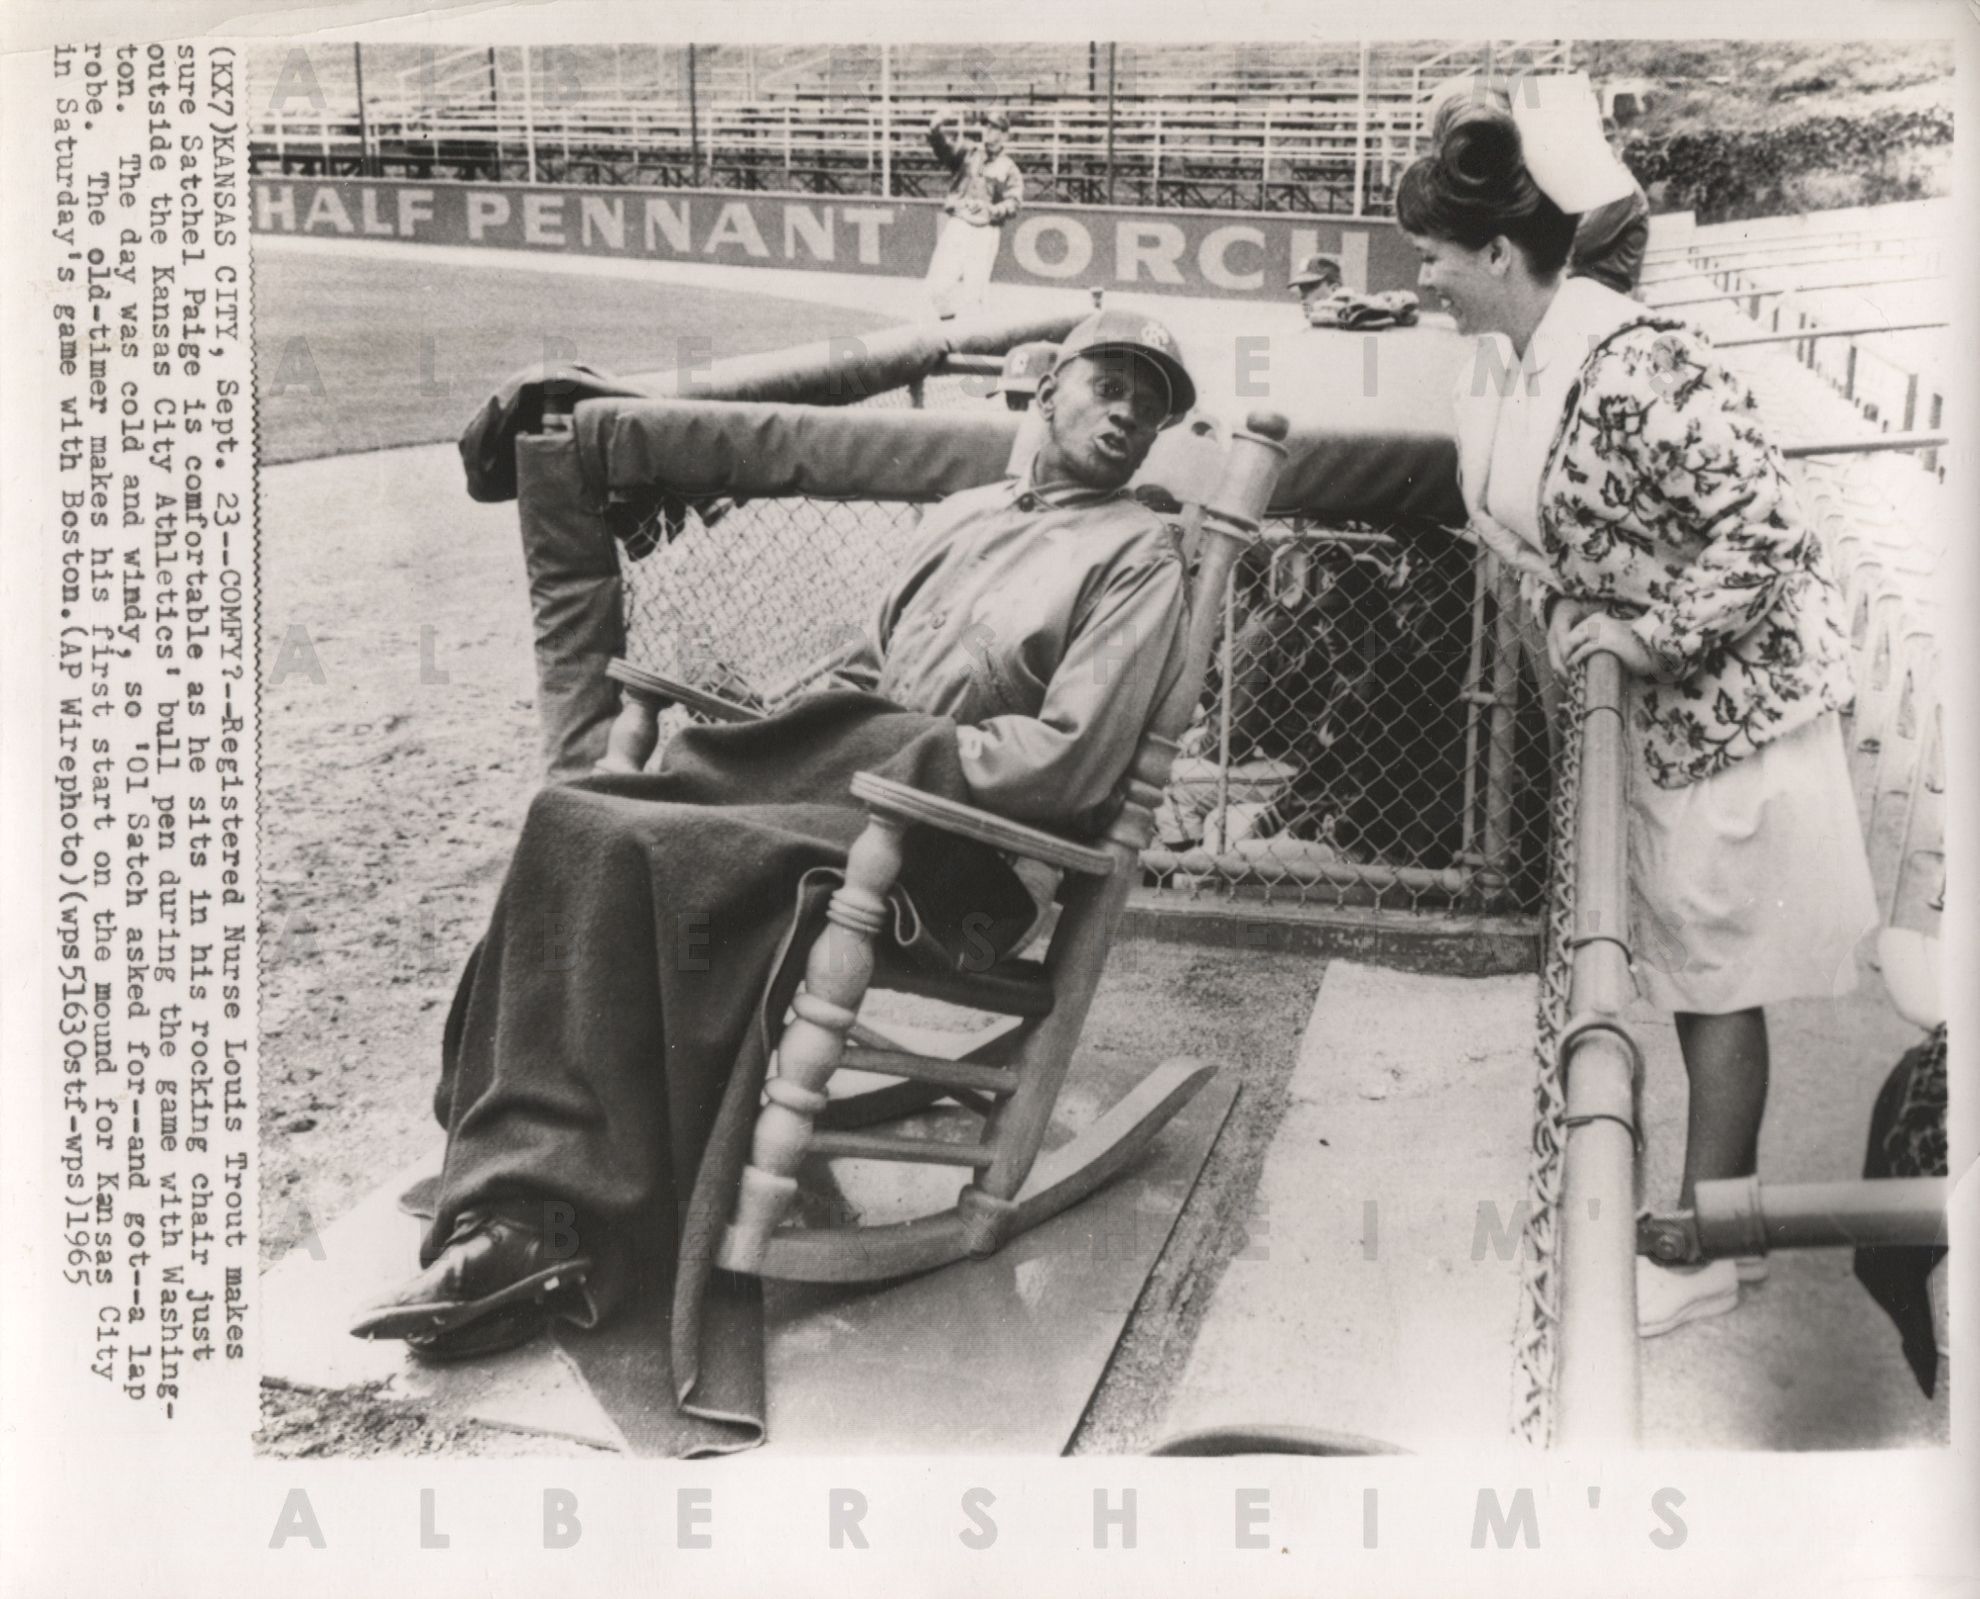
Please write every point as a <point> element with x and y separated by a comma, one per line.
<point>860,669</point>
<point>1687,435</point>
<point>948,153</point>
<point>1012,199</point>
<point>1062,763</point>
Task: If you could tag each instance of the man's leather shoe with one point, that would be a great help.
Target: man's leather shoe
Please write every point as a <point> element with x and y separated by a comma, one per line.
<point>497,1283</point>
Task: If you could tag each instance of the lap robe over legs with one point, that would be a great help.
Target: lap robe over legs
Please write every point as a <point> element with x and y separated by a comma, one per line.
<point>609,1038</point>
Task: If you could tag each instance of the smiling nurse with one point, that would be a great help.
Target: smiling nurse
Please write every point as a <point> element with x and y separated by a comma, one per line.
<point>1622,469</point>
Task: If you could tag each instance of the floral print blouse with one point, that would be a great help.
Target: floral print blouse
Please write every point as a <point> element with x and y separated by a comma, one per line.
<point>1663,500</point>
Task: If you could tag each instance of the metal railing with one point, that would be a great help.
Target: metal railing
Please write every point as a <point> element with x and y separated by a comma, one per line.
<point>1243,157</point>
<point>1601,1069</point>
<point>1009,73</point>
<point>1574,1342</point>
<point>1904,400</point>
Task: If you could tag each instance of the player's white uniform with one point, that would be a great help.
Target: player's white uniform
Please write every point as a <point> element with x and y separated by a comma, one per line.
<point>985,191</point>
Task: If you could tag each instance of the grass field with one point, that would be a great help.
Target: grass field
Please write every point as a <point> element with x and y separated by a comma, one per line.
<point>362,354</point>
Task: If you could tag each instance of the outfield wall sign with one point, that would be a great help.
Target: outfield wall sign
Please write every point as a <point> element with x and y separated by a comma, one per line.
<point>1232,254</point>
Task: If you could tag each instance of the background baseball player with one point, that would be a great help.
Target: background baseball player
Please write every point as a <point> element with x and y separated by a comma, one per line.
<point>985,191</point>
<point>1318,277</point>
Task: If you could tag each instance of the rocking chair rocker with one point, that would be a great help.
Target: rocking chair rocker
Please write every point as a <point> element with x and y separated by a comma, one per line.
<point>1013,1079</point>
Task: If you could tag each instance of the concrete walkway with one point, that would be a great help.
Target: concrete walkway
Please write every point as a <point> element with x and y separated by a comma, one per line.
<point>1378,1294</point>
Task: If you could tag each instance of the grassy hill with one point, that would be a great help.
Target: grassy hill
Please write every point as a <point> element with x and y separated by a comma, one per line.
<point>1742,128</point>
<point>1739,85</point>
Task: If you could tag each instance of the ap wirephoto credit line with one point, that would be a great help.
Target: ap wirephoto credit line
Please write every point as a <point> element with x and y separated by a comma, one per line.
<point>1063,799</point>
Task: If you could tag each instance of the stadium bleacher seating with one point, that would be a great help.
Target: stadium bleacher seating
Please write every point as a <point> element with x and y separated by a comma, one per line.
<point>1316,128</point>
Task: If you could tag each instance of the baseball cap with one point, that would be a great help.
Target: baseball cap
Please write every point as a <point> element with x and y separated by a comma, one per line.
<point>1024,365</point>
<point>1001,120</point>
<point>1139,334</point>
<point>1316,269</point>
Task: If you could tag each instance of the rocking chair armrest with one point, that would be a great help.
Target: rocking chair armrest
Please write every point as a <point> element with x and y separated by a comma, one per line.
<point>909,804</point>
<point>672,691</point>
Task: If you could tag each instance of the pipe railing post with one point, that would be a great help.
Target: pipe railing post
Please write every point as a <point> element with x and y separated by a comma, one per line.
<point>1598,1398</point>
<point>1497,840</point>
<point>1485,589</point>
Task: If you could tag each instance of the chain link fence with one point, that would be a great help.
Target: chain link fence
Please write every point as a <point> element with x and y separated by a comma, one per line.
<point>756,600</point>
<point>1358,743</point>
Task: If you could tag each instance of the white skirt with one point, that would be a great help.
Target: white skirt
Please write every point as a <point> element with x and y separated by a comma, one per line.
<point>1750,886</point>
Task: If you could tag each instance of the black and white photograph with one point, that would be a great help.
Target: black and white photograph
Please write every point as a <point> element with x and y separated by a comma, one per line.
<point>759,750</point>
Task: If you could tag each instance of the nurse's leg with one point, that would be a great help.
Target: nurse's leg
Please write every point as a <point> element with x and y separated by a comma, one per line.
<point>1725,1058</point>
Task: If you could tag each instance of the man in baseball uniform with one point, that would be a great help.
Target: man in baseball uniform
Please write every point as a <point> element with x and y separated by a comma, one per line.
<point>1318,277</point>
<point>985,191</point>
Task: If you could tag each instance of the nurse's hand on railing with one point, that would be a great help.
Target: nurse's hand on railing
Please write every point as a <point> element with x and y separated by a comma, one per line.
<point>1563,616</point>
<point>1598,631</point>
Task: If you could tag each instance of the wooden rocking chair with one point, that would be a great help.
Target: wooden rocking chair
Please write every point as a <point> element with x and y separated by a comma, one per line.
<point>1014,1079</point>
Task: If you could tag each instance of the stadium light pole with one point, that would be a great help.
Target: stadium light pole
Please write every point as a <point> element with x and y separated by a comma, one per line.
<point>1360,206</point>
<point>529,115</point>
<point>694,126</point>
<point>364,122</point>
<point>886,122</point>
<point>1111,57</point>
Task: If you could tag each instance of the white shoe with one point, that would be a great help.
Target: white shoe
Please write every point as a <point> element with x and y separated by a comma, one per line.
<point>1751,1268</point>
<point>1669,1296</point>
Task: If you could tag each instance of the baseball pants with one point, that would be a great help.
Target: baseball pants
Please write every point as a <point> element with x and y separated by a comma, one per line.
<point>960,268</point>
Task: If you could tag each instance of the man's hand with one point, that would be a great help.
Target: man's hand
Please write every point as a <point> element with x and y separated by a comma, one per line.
<point>1601,631</point>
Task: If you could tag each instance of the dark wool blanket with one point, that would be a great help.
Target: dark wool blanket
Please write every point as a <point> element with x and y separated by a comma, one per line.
<point>1908,1139</point>
<point>609,1039</point>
